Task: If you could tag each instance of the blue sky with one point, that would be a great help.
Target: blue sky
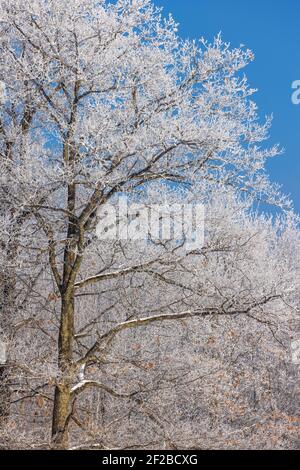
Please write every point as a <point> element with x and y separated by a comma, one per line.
<point>271,29</point>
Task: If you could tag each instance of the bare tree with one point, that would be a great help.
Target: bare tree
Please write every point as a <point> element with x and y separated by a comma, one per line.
<point>106,100</point>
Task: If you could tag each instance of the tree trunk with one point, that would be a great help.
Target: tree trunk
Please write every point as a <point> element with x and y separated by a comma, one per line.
<point>62,408</point>
<point>61,416</point>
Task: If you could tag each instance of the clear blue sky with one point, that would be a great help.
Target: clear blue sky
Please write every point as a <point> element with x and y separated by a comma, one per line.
<point>271,28</point>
